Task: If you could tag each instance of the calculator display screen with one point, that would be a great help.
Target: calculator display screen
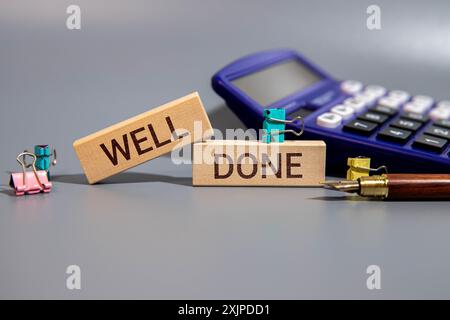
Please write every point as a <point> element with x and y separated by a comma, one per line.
<point>271,84</point>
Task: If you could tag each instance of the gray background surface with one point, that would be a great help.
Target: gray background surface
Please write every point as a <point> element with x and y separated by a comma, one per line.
<point>148,233</point>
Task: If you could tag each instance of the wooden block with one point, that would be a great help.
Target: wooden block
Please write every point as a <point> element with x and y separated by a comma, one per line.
<point>143,137</point>
<point>255,163</point>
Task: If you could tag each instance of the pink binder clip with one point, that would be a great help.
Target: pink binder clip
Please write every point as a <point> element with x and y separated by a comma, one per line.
<point>29,182</point>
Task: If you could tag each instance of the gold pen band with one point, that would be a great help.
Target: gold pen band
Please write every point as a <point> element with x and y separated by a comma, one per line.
<point>374,186</point>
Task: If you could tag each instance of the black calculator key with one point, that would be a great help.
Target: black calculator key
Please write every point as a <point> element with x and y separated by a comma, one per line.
<point>443,123</point>
<point>373,117</point>
<point>384,110</point>
<point>430,143</point>
<point>415,116</point>
<point>360,127</point>
<point>406,124</point>
<point>438,132</point>
<point>394,134</point>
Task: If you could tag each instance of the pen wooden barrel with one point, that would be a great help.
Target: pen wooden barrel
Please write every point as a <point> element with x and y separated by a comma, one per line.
<point>419,186</point>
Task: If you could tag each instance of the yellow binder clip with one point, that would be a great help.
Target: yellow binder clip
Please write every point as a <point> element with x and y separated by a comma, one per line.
<point>360,167</point>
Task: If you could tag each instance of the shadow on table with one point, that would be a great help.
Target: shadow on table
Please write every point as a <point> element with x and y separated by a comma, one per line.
<point>7,190</point>
<point>367,199</point>
<point>341,198</point>
<point>125,177</point>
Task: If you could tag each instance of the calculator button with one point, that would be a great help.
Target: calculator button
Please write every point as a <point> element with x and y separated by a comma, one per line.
<point>406,124</point>
<point>394,134</point>
<point>384,110</point>
<point>345,112</point>
<point>367,97</point>
<point>430,143</point>
<point>351,86</point>
<point>444,104</point>
<point>439,114</point>
<point>424,101</point>
<point>360,127</point>
<point>329,120</point>
<point>399,95</point>
<point>416,107</point>
<point>355,103</point>
<point>415,116</point>
<point>373,117</point>
<point>375,90</point>
<point>443,123</point>
<point>438,132</point>
<point>389,102</point>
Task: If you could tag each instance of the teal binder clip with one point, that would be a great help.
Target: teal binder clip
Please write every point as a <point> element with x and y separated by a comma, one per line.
<point>274,125</point>
<point>43,155</point>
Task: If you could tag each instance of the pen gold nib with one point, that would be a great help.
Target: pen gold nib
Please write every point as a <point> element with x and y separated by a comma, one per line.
<point>344,185</point>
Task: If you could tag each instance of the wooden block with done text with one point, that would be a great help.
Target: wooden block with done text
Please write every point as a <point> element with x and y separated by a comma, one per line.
<point>143,137</point>
<point>255,163</point>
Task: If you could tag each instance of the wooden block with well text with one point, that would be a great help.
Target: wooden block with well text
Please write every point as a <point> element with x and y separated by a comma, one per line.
<point>255,163</point>
<point>143,137</point>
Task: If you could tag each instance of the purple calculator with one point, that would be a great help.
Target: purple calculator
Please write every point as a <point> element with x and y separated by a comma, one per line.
<point>405,132</point>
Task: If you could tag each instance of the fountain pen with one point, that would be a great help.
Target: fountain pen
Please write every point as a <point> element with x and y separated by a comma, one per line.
<point>397,186</point>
